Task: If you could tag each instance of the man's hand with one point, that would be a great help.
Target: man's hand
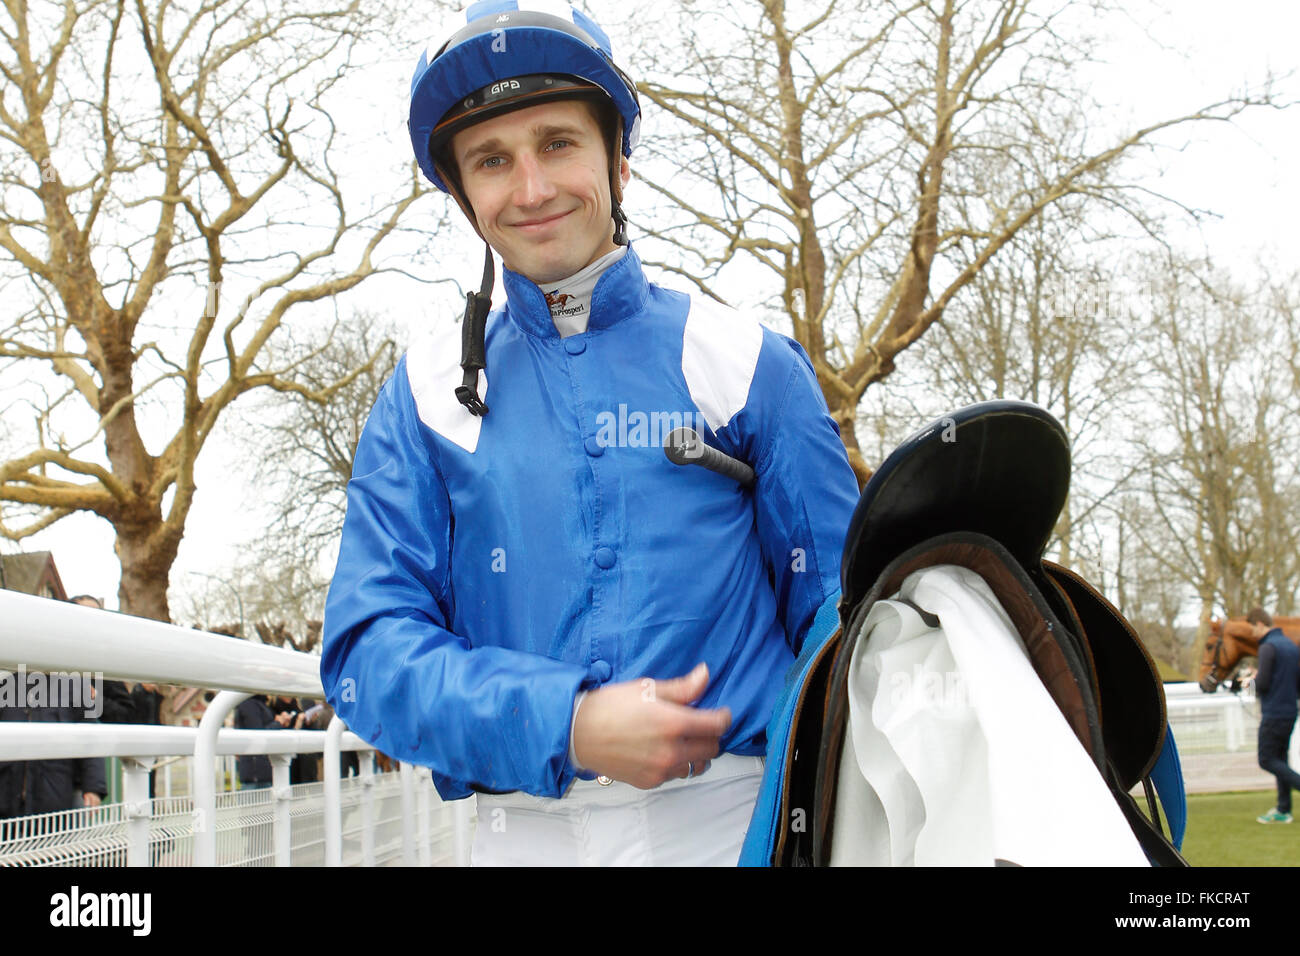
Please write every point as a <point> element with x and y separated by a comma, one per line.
<point>90,799</point>
<point>642,731</point>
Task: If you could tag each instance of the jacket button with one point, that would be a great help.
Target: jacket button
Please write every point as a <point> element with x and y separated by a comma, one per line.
<point>575,345</point>
<point>599,671</point>
<point>594,448</point>
<point>605,558</point>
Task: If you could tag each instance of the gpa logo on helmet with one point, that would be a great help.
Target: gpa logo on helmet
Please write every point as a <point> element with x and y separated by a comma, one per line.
<point>505,86</point>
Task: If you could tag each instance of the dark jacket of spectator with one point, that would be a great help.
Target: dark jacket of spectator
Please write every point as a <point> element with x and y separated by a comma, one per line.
<point>43,786</point>
<point>134,706</point>
<point>304,768</point>
<point>1278,681</point>
<point>118,707</point>
<point>254,714</point>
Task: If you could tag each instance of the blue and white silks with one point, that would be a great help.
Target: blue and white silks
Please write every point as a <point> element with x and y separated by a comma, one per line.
<point>491,568</point>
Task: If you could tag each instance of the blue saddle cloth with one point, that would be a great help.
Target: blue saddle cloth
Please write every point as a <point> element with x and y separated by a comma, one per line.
<point>1167,777</point>
<point>764,825</point>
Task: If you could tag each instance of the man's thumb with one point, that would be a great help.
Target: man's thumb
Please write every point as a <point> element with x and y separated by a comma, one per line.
<point>683,690</point>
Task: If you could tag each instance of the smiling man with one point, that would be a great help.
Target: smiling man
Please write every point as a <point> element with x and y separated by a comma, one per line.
<point>541,608</point>
<point>538,184</point>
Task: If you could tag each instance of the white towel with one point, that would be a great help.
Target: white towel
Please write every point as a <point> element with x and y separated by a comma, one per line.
<point>955,754</point>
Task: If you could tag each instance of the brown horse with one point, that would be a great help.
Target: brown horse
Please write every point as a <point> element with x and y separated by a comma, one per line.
<point>1229,642</point>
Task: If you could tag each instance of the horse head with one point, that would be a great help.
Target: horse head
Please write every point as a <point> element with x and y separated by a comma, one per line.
<point>1228,643</point>
<point>1212,671</point>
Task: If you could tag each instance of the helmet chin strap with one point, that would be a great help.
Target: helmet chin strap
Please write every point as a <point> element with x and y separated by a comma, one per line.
<point>473,324</point>
<point>473,329</point>
<point>620,221</point>
<point>615,207</point>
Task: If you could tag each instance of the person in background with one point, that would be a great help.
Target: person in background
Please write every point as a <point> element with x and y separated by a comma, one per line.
<point>1277,686</point>
<point>139,704</point>
<point>318,717</point>
<point>303,769</point>
<point>44,786</point>
<point>256,714</point>
<point>117,705</point>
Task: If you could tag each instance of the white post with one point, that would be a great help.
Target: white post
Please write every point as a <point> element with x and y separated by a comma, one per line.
<point>366,767</point>
<point>1233,720</point>
<point>333,803</point>
<point>138,809</point>
<point>205,775</point>
<point>426,834</point>
<point>407,773</point>
<point>460,817</point>
<point>282,799</point>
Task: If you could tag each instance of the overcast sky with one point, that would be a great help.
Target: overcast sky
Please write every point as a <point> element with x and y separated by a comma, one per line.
<point>1244,173</point>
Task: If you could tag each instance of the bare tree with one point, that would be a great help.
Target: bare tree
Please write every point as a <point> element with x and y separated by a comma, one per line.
<point>1046,322</point>
<point>1151,596</point>
<point>172,192</point>
<point>1222,452</point>
<point>302,453</point>
<point>304,450</point>
<point>874,158</point>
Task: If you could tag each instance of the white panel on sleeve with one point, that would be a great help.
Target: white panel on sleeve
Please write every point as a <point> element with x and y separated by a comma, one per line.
<point>433,368</point>
<point>719,355</point>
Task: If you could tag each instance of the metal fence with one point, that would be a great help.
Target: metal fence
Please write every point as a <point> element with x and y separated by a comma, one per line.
<point>372,832</point>
<point>371,819</point>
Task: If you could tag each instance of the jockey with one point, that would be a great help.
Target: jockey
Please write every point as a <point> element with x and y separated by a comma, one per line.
<point>530,598</point>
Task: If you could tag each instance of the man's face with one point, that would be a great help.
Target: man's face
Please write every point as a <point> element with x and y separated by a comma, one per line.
<point>538,181</point>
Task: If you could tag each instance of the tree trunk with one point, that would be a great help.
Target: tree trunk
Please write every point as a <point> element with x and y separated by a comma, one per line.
<point>147,551</point>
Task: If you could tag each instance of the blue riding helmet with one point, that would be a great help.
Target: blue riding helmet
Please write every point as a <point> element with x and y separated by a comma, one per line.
<point>509,55</point>
<point>512,54</point>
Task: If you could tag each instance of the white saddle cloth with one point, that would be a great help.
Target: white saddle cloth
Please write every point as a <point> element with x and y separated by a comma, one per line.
<point>955,754</point>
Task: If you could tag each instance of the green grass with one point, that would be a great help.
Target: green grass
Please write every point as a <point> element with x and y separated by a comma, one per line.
<point>1221,831</point>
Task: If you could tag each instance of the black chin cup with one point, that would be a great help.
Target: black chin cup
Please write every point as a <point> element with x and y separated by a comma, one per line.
<point>473,332</point>
<point>620,220</point>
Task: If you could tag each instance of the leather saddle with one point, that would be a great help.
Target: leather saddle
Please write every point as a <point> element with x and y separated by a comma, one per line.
<point>981,488</point>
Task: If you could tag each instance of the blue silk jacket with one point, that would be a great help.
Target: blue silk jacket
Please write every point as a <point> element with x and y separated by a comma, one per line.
<point>491,568</point>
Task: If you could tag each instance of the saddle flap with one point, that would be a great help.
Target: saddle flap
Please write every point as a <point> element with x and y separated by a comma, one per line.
<point>1130,694</point>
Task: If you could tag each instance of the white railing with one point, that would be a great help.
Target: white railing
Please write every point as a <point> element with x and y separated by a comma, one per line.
<point>1217,739</point>
<point>367,820</point>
